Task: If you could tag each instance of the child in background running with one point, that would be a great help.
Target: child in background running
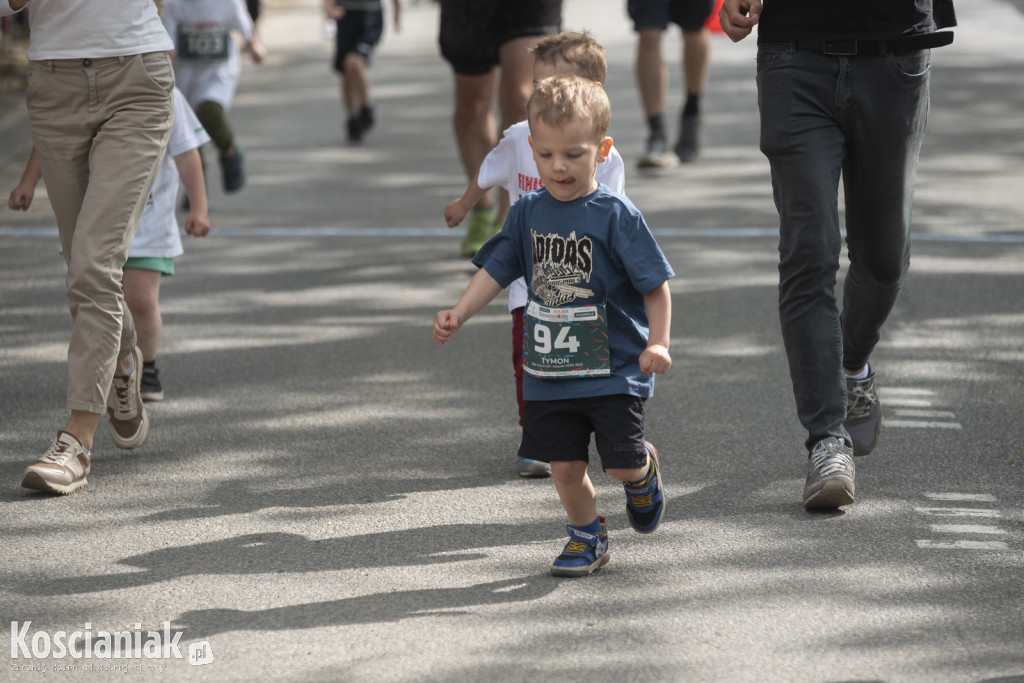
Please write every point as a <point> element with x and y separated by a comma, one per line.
<point>510,165</point>
<point>597,327</point>
<point>359,27</point>
<point>207,67</point>
<point>156,242</point>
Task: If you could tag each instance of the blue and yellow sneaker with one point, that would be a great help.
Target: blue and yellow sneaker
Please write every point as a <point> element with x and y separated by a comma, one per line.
<point>645,501</point>
<point>585,552</point>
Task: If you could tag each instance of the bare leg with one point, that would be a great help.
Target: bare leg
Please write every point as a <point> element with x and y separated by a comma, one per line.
<point>696,49</point>
<point>355,83</point>
<point>142,294</point>
<point>651,72</point>
<point>575,490</point>
<point>473,120</point>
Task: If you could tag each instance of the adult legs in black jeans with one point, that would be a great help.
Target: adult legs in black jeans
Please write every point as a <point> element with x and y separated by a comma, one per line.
<point>822,117</point>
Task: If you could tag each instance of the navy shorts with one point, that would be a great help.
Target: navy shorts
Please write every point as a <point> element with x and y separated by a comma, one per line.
<point>358,31</point>
<point>560,430</point>
<point>473,31</point>
<point>689,15</point>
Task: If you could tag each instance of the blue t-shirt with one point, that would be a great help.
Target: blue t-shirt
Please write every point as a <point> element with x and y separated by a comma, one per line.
<point>593,250</point>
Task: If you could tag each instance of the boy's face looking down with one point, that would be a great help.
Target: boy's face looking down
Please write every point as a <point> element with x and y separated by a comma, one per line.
<point>568,118</point>
<point>567,156</point>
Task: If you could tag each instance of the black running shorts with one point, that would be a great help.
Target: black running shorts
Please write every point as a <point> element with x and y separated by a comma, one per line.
<point>690,15</point>
<point>560,430</point>
<point>473,31</point>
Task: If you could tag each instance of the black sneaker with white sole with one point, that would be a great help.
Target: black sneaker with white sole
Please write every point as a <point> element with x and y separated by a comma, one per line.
<point>151,389</point>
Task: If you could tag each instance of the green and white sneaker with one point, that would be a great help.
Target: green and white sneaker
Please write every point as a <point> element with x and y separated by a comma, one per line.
<point>481,228</point>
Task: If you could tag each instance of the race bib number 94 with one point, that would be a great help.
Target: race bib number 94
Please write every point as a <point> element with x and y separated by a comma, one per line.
<point>566,342</point>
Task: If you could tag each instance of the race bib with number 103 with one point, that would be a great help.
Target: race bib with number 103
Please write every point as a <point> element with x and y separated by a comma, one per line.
<point>198,43</point>
<point>566,342</point>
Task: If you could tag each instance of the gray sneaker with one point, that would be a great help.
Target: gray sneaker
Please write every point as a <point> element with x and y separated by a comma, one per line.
<point>62,470</point>
<point>532,469</point>
<point>688,147</point>
<point>658,155</point>
<point>863,414</point>
<point>830,473</point>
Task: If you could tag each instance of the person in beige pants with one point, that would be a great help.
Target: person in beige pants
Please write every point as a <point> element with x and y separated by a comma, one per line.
<point>100,102</point>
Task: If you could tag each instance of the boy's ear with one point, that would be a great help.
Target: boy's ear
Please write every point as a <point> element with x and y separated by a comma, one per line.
<point>604,149</point>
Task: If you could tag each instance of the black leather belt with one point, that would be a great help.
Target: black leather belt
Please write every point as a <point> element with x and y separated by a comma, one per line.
<point>854,47</point>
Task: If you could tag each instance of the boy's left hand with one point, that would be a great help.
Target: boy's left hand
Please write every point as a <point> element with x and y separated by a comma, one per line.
<point>655,360</point>
<point>197,224</point>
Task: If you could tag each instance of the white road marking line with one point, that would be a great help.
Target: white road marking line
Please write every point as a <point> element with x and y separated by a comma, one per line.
<point>967,529</point>
<point>977,497</point>
<point>962,545</point>
<point>921,424</point>
<point>926,413</point>
<point>959,512</point>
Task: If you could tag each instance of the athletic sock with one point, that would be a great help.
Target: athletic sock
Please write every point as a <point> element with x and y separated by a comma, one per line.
<point>692,107</point>
<point>592,528</point>
<point>128,371</point>
<point>644,479</point>
<point>656,124</point>
<point>863,374</point>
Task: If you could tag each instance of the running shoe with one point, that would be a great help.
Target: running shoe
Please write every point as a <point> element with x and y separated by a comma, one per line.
<point>645,501</point>
<point>583,554</point>
<point>532,469</point>
<point>233,170</point>
<point>62,470</point>
<point>830,474</point>
<point>129,422</point>
<point>367,118</point>
<point>150,388</point>
<point>481,228</point>
<point>863,414</point>
<point>658,154</point>
<point>688,147</point>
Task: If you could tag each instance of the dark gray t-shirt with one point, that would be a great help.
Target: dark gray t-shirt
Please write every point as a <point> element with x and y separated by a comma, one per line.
<point>785,20</point>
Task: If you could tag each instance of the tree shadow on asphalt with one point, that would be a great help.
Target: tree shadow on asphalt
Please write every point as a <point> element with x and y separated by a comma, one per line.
<point>297,368</point>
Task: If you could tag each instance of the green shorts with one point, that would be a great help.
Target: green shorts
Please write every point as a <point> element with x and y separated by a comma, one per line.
<point>160,265</point>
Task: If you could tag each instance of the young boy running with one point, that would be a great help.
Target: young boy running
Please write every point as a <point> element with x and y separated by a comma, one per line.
<point>596,330</point>
<point>207,68</point>
<point>510,165</point>
<point>359,24</point>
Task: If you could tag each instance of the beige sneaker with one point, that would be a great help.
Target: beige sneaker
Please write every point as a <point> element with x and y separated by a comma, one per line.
<point>62,470</point>
<point>129,423</point>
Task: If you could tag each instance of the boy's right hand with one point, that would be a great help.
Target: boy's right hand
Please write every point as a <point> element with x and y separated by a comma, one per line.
<point>446,324</point>
<point>454,213</point>
<point>21,198</point>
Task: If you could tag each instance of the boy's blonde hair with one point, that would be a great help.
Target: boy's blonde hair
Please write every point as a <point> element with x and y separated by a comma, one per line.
<point>579,50</point>
<point>560,100</point>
